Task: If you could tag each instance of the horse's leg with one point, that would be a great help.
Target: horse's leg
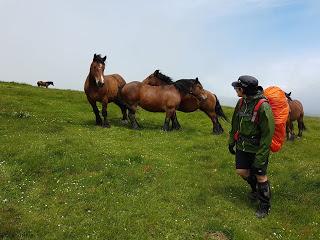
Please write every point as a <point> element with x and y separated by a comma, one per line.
<point>300,126</point>
<point>95,111</point>
<point>291,129</point>
<point>169,114</point>
<point>219,126</point>
<point>132,117</point>
<point>123,108</point>
<point>216,126</point>
<point>105,113</point>
<point>175,124</point>
<point>288,130</point>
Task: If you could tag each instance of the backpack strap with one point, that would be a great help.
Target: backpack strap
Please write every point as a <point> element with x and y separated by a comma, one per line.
<point>255,117</point>
<point>240,103</point>
<point>236,134</point>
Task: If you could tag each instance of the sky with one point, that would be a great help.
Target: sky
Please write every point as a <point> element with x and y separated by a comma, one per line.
<point>277,41</point>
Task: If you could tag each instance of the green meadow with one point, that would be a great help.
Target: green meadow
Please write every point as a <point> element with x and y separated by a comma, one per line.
<point>62,177</point>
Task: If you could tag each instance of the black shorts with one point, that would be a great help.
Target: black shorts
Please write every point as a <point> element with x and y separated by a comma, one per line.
<point>245,160</point>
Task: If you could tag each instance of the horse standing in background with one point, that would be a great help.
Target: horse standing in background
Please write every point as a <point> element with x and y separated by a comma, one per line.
<point>210,106</point>
<point>295,113</point>
<point>44,84</point>
<point>165,98</point>
<point>104,89</point>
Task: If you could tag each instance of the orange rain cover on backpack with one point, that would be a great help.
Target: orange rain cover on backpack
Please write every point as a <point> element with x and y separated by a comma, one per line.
<point>280,108</point>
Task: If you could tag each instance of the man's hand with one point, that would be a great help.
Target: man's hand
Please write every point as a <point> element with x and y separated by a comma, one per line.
<point>231,149</point>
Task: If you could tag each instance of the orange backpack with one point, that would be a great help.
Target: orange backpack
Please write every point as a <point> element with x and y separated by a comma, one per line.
<point>280,109</point>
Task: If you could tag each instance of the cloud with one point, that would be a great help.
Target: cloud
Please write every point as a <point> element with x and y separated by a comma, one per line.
<point>214,40</point>
<point>299,74</point>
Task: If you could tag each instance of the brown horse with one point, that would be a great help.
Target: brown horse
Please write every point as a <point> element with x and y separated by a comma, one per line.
<point>295,113</point>
<point>104,89</point>
<point>210,106</point>
<point>166,98</point>
<point>44,84</point>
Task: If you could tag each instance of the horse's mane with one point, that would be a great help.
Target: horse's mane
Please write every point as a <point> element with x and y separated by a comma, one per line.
<point>162,77</point>
<point>50,83</point>
<point>184,85</point>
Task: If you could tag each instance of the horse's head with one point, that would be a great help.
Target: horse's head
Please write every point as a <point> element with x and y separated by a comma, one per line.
<point>197,90</point>
<point>288,95</point>
<point>157,79</point>
<point>191,86</point>
<point>97,68</point>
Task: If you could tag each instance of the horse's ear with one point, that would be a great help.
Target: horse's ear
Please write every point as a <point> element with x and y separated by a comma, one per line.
<point>95,56</point>
<point>197,79</point>
<point>156,72</point>
<point>289,94</point>
<point>104,59</point>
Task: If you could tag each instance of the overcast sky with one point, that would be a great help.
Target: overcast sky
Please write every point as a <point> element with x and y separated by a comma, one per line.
<point>277,41</point>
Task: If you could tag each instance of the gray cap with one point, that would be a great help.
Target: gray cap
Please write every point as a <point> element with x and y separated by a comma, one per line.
<point>246,81</point>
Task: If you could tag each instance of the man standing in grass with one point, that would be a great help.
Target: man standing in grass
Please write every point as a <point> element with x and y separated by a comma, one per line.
<point>251,133</point>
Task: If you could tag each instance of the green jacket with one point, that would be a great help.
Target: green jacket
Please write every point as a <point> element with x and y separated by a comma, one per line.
<point>261,132</point>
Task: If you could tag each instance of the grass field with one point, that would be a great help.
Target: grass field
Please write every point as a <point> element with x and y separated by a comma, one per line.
<point>62,177</point>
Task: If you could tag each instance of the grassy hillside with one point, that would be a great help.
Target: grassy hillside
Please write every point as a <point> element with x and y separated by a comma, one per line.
<point>62,177</point>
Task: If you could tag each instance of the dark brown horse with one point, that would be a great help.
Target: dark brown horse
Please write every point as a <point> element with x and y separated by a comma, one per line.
<point>104,89</point>
<point>210,106</point>
<point>166,98</point>
<point>44,84</point>
<point>296,113</point>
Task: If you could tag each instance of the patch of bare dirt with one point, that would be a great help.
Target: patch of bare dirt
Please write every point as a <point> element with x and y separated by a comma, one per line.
<point>216,236</point>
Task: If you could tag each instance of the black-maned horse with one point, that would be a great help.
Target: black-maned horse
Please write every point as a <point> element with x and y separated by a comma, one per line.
<point>104,89</point>
<point>165,98</point>
<point>189,103</point>
<point>296,113</point>
<point>44,84</point>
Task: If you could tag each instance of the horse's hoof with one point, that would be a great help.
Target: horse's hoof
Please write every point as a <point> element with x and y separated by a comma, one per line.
<point>135,127</point>
<point>124,121</point>
<point>106,125</point>
<point>217,133</point>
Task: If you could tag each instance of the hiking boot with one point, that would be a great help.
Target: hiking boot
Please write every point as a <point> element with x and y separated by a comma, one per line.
<point>262,211</point>
<point>264,196</point>
<point>253,196</point>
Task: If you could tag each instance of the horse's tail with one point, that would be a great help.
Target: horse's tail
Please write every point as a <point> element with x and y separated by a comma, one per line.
<point>218,109</point>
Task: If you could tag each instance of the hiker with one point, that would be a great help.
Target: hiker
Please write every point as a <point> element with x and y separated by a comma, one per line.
<point>252,128</point>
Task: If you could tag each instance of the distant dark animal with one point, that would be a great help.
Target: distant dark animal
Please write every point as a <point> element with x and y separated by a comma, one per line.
<point>189,103</point>
<point>44,84</point>
<point>165,98</point>
<point>295,113</point>
<point>104,89</point>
